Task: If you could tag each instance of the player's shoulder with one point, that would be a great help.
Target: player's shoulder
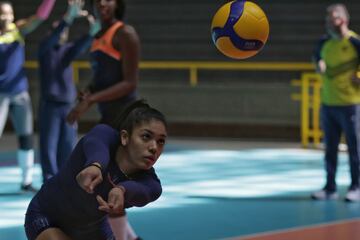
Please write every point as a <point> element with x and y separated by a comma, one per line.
<point>354,38</point>
<point>353,34</point>
<point>322,41</point>
<point>101,129</point>
<point>126,33</point>
<point>324,38</point>
<point>126,30</point>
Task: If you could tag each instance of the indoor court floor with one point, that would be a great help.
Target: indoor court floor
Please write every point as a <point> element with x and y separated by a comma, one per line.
<point>219,189</point>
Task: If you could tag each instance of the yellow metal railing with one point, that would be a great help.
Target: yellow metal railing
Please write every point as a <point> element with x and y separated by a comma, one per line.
<point>310,84</point>
<point>194,67</point>
<point>309,97</point>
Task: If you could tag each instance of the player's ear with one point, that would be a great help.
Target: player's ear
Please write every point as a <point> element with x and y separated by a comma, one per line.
<point>124,137</point>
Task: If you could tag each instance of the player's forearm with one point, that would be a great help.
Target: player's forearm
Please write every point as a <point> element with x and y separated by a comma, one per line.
<point>53,38</point>
<point>28,25</point>
<point>78,47</point>
<point>45,9</point>
<point>140,193</point>
<point>114,92</point>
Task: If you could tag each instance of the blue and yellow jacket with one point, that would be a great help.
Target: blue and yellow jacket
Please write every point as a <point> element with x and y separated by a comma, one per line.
<point>12,57</point>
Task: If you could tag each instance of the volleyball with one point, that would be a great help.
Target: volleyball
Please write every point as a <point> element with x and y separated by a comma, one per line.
<point>239,29</point>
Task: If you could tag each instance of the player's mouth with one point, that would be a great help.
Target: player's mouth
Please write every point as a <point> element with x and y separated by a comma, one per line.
<point>150,159</point>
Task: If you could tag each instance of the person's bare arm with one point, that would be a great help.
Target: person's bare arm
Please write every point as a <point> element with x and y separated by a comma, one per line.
<point>29,24</point>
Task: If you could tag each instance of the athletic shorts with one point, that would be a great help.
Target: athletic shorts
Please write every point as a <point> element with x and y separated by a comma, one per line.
<point>20,110</point>
<point>37,221</point>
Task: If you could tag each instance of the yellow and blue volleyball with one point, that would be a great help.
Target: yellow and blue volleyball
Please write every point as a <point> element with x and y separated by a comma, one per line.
<point>240,29</point>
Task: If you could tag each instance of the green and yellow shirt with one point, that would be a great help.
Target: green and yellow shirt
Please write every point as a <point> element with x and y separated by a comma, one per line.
<point>342,58</point>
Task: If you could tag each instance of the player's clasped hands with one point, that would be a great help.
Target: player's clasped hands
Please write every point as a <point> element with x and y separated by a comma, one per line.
<point>89,178</point>
<point>115,204</point>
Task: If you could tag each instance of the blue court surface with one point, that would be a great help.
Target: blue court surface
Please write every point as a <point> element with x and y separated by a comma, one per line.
<point>214,189</point>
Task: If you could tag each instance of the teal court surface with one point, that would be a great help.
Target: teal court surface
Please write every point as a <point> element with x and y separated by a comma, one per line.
<point>219,189</point>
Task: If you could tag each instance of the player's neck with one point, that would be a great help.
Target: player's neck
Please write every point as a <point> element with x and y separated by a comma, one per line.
<point>106,24</point>
<point>123,162</point>
<point>344,32</point>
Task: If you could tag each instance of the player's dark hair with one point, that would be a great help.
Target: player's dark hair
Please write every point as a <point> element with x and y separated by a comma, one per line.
<point>120,9</point>
<point>137,113</point>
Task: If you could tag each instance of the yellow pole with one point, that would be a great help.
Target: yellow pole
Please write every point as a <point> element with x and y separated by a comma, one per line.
<point>304,110</point>
<point>75,73</point>
<point>316,110</point>
<point>193,76</point>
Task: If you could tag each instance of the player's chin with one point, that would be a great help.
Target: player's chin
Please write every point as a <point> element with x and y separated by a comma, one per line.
<point>147,164</point>
<point>105,15</point>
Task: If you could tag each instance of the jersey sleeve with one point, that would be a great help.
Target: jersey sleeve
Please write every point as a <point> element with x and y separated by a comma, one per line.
<point>318,47</point>
<point>78,47</point>
<point>142,190</point>
<point>98,143</point>
<point>52,39</point>
<point>356,42</point>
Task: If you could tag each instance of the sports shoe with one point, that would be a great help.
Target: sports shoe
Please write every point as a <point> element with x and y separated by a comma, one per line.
<point>324,195</point>
<point>353,195</point>
<point>28,188</point>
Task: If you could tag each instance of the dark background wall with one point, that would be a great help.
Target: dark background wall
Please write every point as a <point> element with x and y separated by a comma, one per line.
<point>243,103</point>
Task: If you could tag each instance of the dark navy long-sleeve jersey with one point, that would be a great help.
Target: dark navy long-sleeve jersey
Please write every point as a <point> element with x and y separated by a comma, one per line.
<point>67,203</point>
<point>56,73</point>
